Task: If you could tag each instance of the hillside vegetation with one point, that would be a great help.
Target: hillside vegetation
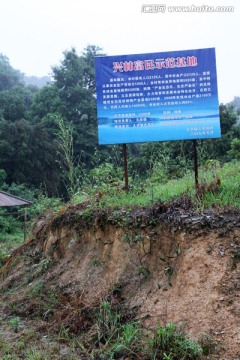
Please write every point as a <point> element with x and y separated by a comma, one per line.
<point>149,272</point>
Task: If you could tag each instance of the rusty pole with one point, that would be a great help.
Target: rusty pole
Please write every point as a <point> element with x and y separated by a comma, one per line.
<point>195,163</point>
<point>25,225</point>
<point>125,166</point>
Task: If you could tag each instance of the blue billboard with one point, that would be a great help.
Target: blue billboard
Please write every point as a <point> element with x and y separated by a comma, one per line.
<point>157,96</point>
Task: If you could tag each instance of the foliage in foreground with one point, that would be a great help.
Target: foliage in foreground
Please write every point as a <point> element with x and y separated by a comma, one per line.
<point>12,218</point>
<point>219,185</point>
<point>169,344</point>
<point>113,334</point>
<point>117,336</point>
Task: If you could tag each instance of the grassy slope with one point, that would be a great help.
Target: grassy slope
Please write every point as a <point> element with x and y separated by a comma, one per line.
<point>227,194</point>
<point>151,192</point>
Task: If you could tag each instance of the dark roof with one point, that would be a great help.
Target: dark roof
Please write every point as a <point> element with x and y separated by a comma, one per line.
<point>10,200</point>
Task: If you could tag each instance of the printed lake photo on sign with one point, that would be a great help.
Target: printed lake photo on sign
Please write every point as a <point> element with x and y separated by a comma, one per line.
<point>157,97</point>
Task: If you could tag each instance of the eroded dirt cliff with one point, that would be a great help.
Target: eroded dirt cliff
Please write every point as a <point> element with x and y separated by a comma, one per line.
<point>165,264</point>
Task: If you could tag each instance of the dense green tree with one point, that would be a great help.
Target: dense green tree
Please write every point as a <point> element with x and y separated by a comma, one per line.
<point>174,157</point>
<point>75,81</point>
<point>29,134</point>
<point>28,156</point>
<point>45,102</point>
<point>27,151</point>
<point>217,149</point>
<point>12,104</point>
<point>9,77</point>
<point>234,152</point>
<point>15,97</point>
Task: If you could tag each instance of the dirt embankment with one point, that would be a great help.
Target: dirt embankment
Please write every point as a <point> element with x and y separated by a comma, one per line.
<point>165,264</point>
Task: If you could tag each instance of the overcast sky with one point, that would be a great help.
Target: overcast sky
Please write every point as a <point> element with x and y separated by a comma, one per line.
<point>34,33</point>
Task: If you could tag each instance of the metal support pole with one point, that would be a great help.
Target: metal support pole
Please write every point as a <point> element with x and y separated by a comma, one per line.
<point>195,163</point>
<point>125,166</point>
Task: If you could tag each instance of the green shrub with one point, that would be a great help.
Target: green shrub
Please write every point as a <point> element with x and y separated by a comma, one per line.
<point>168,343</point>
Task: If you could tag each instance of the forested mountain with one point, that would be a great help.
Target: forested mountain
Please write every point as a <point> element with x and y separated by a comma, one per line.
<point>37,81</point>
<point>236,106</point>
<point>30,152</point>
<point>235,102</point>
<point>28,146</point>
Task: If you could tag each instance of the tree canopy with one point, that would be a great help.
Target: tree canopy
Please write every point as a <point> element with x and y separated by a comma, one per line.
<point>29,140</point>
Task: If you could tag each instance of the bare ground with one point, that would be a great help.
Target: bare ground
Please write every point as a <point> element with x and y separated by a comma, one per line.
<point>164,264</point>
